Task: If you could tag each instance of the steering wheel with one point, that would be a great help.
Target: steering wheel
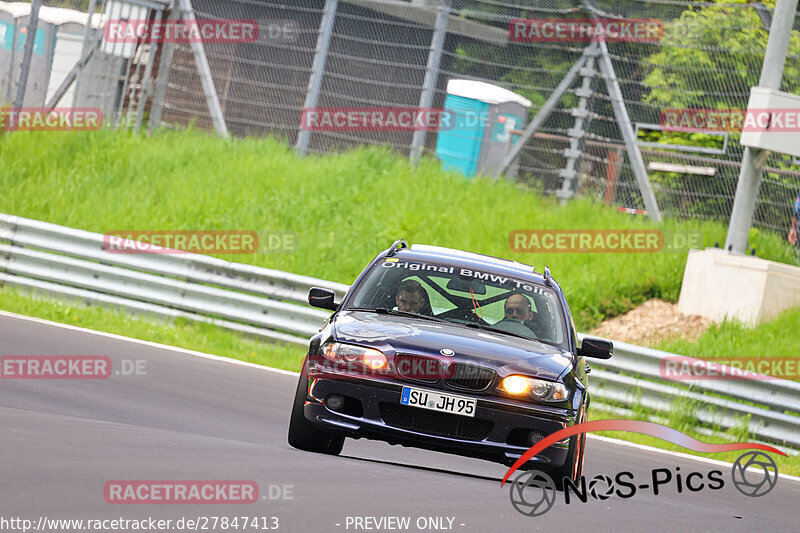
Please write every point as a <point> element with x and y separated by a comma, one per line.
<point>513,325</point>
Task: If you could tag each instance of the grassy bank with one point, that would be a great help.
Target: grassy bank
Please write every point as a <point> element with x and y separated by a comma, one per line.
<point>343,208</point>
<point>776,338</point>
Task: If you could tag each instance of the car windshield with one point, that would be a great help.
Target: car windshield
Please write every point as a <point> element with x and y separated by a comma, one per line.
<point>463,296</point>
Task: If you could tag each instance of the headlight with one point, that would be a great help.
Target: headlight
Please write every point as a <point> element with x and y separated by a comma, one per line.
<point>516,385</point>
<point>347,353</point>
<point>537,389</point>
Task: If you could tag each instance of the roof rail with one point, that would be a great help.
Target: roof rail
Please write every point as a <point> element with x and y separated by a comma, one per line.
<point>399,243</point>
<point>547,277</point>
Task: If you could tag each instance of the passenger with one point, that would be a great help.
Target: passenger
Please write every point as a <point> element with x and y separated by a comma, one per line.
<point>518,307</point>
<point>412,298</point>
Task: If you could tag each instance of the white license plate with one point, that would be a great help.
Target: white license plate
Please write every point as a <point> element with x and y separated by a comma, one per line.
<point>436,401</point>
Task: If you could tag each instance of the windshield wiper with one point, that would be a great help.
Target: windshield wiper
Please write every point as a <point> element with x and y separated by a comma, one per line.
<point>385,311</point>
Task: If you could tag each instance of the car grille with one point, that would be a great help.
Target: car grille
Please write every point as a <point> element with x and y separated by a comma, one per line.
<point>433,423</point>
<point>469,377</point>
<point>418,367</point>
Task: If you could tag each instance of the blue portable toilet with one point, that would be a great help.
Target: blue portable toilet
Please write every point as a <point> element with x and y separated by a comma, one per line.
<point>480,127</point>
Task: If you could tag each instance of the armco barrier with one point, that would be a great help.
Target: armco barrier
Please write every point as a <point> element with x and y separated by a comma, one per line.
<point>271,304</point>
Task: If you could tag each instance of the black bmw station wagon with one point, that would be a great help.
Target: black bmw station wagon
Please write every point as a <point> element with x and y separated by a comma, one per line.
<point>450,351</point>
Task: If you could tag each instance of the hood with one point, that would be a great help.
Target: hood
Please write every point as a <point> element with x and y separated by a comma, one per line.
<point>397,334</point>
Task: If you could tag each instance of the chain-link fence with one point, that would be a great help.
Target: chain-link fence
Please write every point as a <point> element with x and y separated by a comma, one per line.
<point>382,54</point>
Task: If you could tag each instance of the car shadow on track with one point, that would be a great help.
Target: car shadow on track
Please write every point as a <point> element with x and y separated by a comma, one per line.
<point>424,468</point>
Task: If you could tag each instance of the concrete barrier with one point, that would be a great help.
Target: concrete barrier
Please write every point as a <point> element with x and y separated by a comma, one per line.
<point>719,285</point>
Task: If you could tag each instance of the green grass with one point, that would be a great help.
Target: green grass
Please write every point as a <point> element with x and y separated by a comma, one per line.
<point>344,208</point>
<point>776,338</point>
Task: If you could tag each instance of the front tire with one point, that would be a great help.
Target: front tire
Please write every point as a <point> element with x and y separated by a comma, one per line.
<point>303,435</point>
<point>573,465</point>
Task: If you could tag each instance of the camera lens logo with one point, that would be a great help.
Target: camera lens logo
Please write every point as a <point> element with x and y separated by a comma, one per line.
<point>754,474</point>
<point>532,493</point>
<point>597,492</point>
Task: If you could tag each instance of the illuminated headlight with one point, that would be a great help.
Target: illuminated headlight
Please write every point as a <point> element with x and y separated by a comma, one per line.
<point>538,389</point>
<point>347,353</point>
<point>516,385</point>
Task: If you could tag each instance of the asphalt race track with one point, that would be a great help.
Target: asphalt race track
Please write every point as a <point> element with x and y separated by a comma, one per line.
<point>192,418</point>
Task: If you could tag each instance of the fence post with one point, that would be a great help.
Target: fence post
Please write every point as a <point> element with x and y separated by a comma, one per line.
<point>5,98</point>
<point>624,121</point>
<point>86,33</point>
<point>317,70</point>
<point>577,133</point>
<point>30,37</point>
<point>431,77</point>
<point>164,67</point>
<point>212,100</point>
<point>744,203</point>
<point>147,83</point>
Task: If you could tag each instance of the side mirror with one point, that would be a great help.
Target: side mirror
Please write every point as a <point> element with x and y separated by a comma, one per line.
<point>322,298</point>
<point>597,348</point>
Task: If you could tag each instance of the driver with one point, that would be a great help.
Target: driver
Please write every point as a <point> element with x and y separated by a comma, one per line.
<point>411,297</point>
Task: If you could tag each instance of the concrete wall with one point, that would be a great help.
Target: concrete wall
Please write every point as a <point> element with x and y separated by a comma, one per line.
<point>719,285</point>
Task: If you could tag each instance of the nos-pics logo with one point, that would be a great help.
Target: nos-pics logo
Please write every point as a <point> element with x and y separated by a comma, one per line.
<point>533,493</point>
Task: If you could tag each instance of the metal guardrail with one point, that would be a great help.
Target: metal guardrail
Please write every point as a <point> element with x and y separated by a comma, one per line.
<point>633,375</point>
<point>271,304</point>
<point>69,262</point>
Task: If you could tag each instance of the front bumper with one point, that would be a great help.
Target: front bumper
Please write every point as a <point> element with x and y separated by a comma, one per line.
<point>371,411</point>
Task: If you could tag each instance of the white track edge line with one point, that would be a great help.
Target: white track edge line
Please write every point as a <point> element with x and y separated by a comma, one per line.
<point>151,344</point>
